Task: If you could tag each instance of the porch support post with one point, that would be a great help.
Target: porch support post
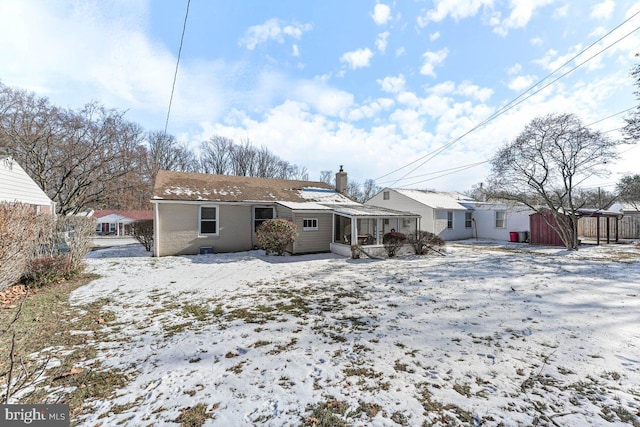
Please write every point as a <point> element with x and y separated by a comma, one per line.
<point>598,231</point>
<point>608,230</point>
<point>354,231</point>
<point>378,230</point>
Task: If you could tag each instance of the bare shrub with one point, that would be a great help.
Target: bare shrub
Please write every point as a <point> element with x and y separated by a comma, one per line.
<point>423,241</point>
<point>142,231</point>
<point>393,241</point>
<point>74,235</point>
<point>17,233</point>
<point>60,246</point>
<point>275,235</point>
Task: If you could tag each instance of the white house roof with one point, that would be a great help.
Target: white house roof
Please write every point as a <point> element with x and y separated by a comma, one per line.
<point>438,200</point>
<point>625,206</point>
<point>17,186</point>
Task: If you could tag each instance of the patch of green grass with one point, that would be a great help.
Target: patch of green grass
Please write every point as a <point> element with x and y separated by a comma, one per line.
<point>200,312</point>
<point>327,414</point>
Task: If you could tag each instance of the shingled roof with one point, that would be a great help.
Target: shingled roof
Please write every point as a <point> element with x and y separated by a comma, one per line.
<point>171,185</point>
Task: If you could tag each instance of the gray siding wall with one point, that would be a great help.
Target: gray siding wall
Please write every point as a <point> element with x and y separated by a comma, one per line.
<point>178,229</point>
<point>400,202</point>
<point>316,240</point>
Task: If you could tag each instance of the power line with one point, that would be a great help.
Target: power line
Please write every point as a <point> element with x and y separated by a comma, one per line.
<point>513,102</point>
<point>452,170</point>
<point>457,169</point>
<point>175,74</point>
<point>509,107</point>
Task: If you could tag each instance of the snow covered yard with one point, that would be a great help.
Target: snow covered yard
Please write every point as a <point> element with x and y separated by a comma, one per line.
<point>487,335</point>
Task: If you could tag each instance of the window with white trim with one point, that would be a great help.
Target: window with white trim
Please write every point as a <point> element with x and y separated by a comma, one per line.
<point>260,215</point>
<point>208,220</point>
<point>450,220</point>
<point>501,221</point>
<point>468,219</point>
<point>309,224</point>
<point>112,227</point>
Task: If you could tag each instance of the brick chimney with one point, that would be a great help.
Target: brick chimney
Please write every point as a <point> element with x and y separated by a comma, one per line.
<point>341,181</point>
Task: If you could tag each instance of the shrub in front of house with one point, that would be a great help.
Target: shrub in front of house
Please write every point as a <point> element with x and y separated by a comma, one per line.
<point>18,231</point>
<point>422,241</point>
<point>275,235</point>
<point>393,241</point>
<point>142,231</point>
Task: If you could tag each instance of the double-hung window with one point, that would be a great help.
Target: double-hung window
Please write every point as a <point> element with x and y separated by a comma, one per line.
<point>208,220</point>
<point>260,215</point>
<point>468,222</point>
<point>450,220</point>
<point>501,221</point>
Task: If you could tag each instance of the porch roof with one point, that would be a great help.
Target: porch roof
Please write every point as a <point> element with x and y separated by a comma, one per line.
<point>369,211</point>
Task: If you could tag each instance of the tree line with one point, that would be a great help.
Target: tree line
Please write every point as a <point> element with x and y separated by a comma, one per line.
<point>94,157</point>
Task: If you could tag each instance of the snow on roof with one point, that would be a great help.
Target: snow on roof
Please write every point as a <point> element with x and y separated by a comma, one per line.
<point>171,185</point>
<point>438,200</point>
<point>370,211</point>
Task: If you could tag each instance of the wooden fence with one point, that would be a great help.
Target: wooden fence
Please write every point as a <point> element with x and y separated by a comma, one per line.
<point>628,227</point>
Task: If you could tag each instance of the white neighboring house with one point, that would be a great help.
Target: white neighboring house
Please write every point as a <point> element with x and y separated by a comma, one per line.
<point>444,214</point>
<point>626,208</point>
<point>17,186</point>
<point>496,221</point>
<point>454,216</point>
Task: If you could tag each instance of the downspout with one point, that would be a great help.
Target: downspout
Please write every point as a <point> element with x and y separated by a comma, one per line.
<point>475,226</point>
<point>156,230</point>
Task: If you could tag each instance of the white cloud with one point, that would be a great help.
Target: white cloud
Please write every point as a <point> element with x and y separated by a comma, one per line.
<point>520,15</point>
<point>295,51</point>
<point>536,41</point>
<point>560,12</point>
<point>515,69</point>
<point>392,84</point>
<point>456,9</point>
<point>520,83</point>
<point>603,10</point>
<point>272,30</point>
<point>381,14</point>
<point>470,90</point>
<point>434,36</point>
<point>358,58</point>
<point>431,60</point>
<point>381,41</point>
<point>400,51</point>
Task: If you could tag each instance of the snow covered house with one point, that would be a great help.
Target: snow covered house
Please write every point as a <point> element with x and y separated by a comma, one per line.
<point>118,222</point>
<point>454,216</point>
<point>17,186</point>
<point>203,213</point>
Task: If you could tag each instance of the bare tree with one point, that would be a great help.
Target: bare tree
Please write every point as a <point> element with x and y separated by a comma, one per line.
<point>628,190</point>
<point>632,129</point>
<point>215,155</point>
<point>327,177</point>
<point>369,189</point>
<point>543,166</point>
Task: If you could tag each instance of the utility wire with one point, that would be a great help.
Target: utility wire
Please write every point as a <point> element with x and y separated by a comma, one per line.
<point>512,105</point>
<point>457,169</point>
<point>513,102</point>
<point>175,74</point>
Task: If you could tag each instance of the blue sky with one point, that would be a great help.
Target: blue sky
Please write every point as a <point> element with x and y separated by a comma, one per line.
<point>370,85</point>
